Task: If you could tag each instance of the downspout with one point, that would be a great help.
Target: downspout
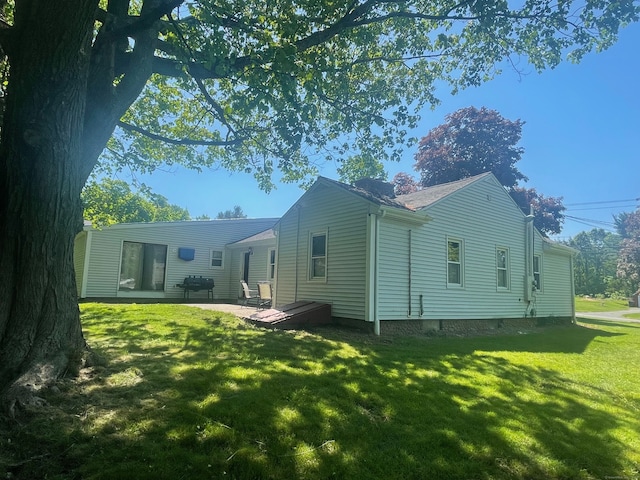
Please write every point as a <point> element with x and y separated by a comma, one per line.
<point>528,261</point>
<point>295,288</point>
<point>376,250</point>
<point>409,310</point>
<point>573,290</point>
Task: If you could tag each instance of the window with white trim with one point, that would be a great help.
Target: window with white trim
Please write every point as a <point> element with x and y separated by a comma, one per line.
<point>216,259</point>
<point>502,268</point>
<point>454,262</point>
<point>271,267</point>
<point>537,278</point>
<point>318,256</point>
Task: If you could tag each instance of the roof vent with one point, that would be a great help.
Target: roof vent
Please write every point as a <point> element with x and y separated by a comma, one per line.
<point>379,188</point>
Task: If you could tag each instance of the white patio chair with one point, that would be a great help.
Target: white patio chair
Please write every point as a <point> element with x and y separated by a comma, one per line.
<point>249,295</point>
<point>264,292</point>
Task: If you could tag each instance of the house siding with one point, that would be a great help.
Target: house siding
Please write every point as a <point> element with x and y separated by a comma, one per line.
<point>79,257</point>
<point>344,218</point>
<point>484,218</point>
<point>106,248</point>
<point>258,267</point>
<point>556,297</point>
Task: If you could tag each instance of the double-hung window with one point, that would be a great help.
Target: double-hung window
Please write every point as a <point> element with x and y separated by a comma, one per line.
<point>318,256</point>
<point>271,267</point>
<point>454,262</point>
<point>502,268</point>
<point>216,259</point>
<point>537,279</point>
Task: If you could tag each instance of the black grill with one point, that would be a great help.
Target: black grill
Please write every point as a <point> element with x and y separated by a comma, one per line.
<point>195,284</point>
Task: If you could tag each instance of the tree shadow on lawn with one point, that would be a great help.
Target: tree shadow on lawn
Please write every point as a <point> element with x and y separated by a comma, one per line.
<point>607,323</point>
<point>221,399</point>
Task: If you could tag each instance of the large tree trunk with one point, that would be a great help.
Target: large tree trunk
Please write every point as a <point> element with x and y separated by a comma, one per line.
<point>42,177</point>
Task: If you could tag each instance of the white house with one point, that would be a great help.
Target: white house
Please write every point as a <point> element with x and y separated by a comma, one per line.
<point>459,255</point>
<point>459,252</point>
<point>149,260</point>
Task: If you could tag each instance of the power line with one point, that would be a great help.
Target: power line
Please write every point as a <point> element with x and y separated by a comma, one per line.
<point>635,205</point>
<point>602,202</point>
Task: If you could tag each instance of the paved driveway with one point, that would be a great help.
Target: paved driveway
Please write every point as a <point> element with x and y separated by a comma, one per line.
<point>614,316</point>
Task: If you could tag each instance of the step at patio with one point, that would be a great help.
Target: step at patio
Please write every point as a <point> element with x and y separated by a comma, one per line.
<point>293,315</point>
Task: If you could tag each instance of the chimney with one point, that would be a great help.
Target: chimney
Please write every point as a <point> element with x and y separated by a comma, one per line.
<point>379,188</point>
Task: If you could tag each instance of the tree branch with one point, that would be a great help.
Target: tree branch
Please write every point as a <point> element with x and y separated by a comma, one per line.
<point>174,141</point>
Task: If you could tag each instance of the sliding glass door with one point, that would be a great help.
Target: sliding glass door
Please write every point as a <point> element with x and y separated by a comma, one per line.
<point>143,266</point>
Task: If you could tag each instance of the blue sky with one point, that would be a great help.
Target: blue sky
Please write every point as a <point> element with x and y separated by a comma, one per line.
<point>581,140</point>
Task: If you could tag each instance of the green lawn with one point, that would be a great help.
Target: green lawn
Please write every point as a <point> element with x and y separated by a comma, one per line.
<point>600,304</point>
<point>191,394</point>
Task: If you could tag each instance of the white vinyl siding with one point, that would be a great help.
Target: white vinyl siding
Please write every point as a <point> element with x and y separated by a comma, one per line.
<point>344,217</point>
<point>556,297</point>
<point>203,236</point>
<point>483,216</point>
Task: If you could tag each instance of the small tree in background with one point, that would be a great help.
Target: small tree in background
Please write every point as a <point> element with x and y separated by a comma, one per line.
<point>547,211</point>
<point>235,213</point>
<point>629,257</point>
<point>474,141</point>
<point>404,183</point>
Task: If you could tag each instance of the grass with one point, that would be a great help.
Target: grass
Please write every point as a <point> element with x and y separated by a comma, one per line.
<point>197,394</point>
<point>600,304</point>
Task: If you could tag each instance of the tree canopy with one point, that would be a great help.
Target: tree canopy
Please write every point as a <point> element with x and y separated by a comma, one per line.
<point>628,226</point>
<point>253,86</point>
<point>474,141</point>
<point>595,264</point>
<point>471,141</point>
<point>112,201</point>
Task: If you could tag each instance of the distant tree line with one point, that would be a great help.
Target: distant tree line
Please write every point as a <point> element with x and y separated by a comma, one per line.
<point>111,201</point>
<point>608,263</point>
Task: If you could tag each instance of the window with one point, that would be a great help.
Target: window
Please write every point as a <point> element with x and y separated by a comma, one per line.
<point>454,262</point>
<point>502,267</point>
<point>271,267</point>
<point>142,267</point>
<point>216,259</point>
<point>536,273</point>
<point>318,263</point>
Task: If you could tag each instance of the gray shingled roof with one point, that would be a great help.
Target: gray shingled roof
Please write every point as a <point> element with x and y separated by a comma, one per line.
<point>377,199</point>
<point>430,195</point>
<point>266,235</point>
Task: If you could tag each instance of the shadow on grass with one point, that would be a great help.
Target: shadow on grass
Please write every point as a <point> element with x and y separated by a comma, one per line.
<point>607,323</point>
<point>211,397</point>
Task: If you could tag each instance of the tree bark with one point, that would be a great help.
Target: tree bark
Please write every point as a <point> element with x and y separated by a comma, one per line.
<point>40,208</point>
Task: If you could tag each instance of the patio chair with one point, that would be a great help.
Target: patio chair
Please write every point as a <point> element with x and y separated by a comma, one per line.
<point>250,296</point>
<point>264,292</point>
